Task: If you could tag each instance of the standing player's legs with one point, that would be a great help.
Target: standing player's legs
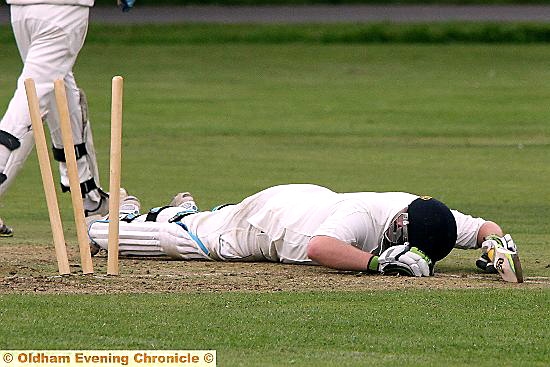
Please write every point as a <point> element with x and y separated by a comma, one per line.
<point>16,138</point>
<point>49,38</point>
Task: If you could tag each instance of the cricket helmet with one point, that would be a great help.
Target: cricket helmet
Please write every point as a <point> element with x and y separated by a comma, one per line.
<point>431,227</point>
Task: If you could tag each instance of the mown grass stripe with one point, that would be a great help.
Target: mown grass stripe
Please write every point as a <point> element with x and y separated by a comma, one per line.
<point>381,33</point>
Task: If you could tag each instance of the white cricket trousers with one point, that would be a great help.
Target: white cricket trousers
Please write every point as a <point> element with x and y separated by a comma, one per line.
<point>49,38</point>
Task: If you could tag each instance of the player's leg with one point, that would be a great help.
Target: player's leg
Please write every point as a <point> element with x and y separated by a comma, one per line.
<point>16,137</point>
<point>149,234</point>
<point>135,239</point>
<point>145,239</point>
<point>226,234</point>
<point>51,53</point>
<point>95,200</point>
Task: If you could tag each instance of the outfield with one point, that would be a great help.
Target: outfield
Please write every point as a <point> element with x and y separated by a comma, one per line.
<point>467,124</point>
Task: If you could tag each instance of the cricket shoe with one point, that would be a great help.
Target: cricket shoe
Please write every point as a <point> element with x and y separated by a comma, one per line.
<point>129,208</point>
<point>185,200</point>
<point>94,248</point>
<point>5,231</point>
<point>103,206</point>
<point>102,210</point>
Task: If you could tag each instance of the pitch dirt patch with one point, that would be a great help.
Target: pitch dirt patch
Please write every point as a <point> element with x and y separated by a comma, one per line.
<point>32,269</point>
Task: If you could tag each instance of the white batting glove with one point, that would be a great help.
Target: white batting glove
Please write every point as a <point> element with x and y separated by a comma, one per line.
<point>405,260</point>
<point>493,241</point>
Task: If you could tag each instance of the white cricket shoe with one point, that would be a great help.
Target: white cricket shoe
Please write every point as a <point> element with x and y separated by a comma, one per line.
<point>129,208</point>
<point>181,198</point>
<point>102,211</point>
<point>103,207</point>
<point>5,231</point>
<point>185,200</point>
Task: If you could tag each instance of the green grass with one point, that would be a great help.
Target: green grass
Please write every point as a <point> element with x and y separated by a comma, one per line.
<point>305,329</point>
<point>345,33</point>
<point>465,123</point>
<point>385,32</point>
<point>333,2</point>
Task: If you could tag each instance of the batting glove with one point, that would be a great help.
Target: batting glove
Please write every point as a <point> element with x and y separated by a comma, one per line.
<point>486,264</point>
<point>126,5</point>
<point>488,247</point>
<point>405,260</point>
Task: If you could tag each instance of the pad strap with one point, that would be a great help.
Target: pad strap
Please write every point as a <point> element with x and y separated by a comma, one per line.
<point>154,213</point>
<point>9,141</point>
<point>218,207</point>
<point>179,216</point>
<point>79,150</point>
<point>85,187</point>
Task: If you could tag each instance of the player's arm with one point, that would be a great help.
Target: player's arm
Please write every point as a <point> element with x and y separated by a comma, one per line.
<point>336,254</point>
<point>487,229</point>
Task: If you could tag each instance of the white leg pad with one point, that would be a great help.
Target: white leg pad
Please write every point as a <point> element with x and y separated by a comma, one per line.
<point>135,239</point>
<point>176,243</point>
<point>82,134</point>
<point>87,138</point>
<point>148,239</point>
<point>11,161</point>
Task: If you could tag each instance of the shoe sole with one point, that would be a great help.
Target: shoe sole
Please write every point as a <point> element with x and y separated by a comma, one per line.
<point>5,231</point>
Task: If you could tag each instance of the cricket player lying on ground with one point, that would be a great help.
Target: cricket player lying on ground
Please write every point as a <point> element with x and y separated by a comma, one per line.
<point>392,232</point>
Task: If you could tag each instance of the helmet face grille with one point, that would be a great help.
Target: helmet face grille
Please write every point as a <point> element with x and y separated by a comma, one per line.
<point>397,233</point>
<point>432,227</point>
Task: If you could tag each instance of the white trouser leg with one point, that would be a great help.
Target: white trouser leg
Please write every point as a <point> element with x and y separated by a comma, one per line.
<point>14,159</point>
<point>49,38</point>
